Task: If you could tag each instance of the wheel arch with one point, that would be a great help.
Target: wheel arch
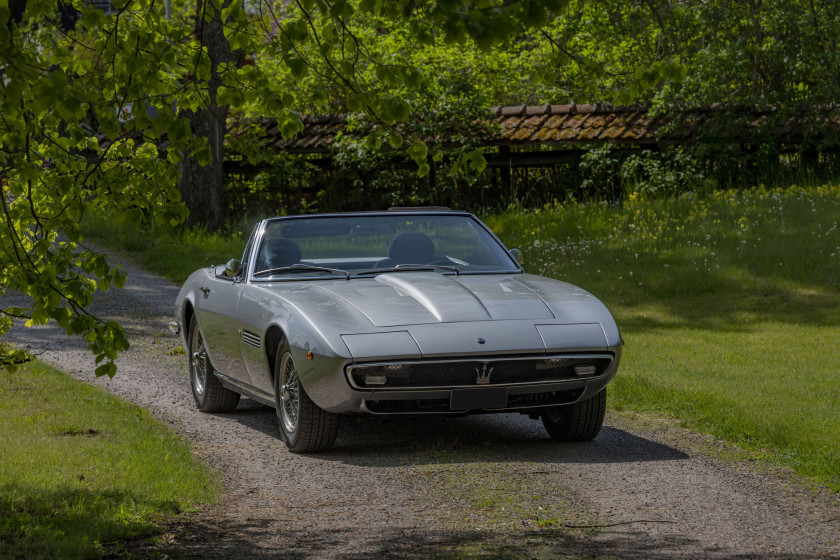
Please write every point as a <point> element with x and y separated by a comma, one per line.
<point>319,362</point>
<point>188,313</point>
<point>273,337</point>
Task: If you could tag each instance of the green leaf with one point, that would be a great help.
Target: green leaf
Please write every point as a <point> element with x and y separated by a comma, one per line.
<point>341,9</point>
<point>62,315</point>
<point>179,131</point>
<point>203,155</point>
<point>373,141</point>
<point>395,140</point>
<point>13,91</point>
<point>393,110</point>
<point>355,102</point>
<point>290,125</point>
<point>108,369</point>
<point>476,160</point>
<point>371,6</point>
<point>296,66</point>
<point>118,277</point>
<point>418,152</point>
<point>346,69</point>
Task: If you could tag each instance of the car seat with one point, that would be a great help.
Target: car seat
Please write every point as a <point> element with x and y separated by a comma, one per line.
<point>409,248</point>
<point>278,253</point>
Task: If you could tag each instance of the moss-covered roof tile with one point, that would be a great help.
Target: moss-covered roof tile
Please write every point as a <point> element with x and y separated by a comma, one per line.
<point>562,124</point>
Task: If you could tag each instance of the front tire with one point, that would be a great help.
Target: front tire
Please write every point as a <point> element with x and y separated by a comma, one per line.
<point>209,393</point>
<point>580,421</point>
<point>304,425</point>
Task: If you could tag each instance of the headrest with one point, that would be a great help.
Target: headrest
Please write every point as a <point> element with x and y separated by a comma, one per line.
<point>411,248</point>
<point>277,253</point>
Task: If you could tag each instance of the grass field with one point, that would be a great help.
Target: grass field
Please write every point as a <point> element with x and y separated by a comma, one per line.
<point>729,303</point>
<point>81,470</point>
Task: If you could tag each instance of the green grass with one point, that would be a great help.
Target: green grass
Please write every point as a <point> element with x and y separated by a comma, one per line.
<point>729,305</point>
<point>81,471</point>
<point>171,252</point>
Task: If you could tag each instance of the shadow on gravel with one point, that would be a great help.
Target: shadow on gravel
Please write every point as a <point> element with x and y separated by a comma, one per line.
<point>268,540</point>
<point>388,442</point>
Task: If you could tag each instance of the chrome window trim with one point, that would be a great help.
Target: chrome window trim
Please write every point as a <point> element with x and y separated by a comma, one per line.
<point>258,233</point>
<point>348,370</point>
<point>325,276</point>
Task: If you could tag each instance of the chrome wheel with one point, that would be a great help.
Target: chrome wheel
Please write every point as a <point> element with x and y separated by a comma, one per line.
<point>303,425</point>
<point>198,362</point>
<point>289,394</point>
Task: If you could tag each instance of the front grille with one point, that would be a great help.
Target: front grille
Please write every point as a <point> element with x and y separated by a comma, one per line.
<point>413,406</point>
<point>441,406</point>
<point>472,372</point>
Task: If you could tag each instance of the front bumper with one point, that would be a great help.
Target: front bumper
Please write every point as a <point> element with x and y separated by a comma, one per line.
<point>441,402</point>
<point>344,395</point>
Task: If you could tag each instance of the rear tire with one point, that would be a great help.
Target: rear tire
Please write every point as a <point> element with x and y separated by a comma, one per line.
<point>209,393</point>
<point>580,421</point>
<point>305,427</point>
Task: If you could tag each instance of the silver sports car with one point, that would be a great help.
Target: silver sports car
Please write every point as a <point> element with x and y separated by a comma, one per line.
<point>410,311</point>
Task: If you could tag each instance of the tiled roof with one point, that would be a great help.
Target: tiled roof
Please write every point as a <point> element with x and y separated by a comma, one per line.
<point>526,125</point>
<point>319,132</point>
<point>572,124</point>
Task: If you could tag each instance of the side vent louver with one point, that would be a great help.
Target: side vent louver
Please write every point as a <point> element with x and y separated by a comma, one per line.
<point>251,339</point>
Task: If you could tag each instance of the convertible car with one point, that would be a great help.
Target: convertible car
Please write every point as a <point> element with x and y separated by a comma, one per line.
<point>403,312</point>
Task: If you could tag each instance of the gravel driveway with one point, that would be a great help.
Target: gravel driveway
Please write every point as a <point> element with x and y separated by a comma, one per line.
<point>482,486</point>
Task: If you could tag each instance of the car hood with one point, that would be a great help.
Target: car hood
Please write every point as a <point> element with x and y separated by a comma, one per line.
<point>424,314</point>
<point>412,298</point>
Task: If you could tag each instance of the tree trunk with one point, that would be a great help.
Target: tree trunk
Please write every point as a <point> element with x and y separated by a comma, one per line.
<point>201,187</point>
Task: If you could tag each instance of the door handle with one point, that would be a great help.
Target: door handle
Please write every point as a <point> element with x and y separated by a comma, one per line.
<point>205,289</point>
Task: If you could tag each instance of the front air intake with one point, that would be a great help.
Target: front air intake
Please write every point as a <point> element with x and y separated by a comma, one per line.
<point>471,372</point>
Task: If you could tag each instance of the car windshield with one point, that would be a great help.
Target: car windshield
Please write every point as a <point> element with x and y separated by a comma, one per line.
<point>361,245</point>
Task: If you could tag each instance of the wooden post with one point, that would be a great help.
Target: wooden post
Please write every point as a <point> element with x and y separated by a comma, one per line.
<point>504,172</point>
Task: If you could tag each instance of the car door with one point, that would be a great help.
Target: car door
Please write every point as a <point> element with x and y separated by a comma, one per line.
<point>216,309</point>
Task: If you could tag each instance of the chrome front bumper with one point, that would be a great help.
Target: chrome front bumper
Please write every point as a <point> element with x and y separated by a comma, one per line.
<point>330,384</point>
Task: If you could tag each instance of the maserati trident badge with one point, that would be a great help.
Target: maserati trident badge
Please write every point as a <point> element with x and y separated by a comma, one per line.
<point>483,375</point>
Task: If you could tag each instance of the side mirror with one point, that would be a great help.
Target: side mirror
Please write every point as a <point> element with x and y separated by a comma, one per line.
<point>517,255</point>
<point>233,268</point>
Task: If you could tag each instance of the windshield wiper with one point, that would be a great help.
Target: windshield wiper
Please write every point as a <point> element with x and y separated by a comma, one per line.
<point>411,268</point>
<point>303,267</point>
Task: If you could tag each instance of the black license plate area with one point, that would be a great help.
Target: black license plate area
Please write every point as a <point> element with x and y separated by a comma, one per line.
<point>485,397</point>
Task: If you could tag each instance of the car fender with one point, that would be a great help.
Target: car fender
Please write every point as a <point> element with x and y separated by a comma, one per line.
<point>315,353</point>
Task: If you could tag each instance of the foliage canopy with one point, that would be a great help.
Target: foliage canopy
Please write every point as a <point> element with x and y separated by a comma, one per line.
<point>94,107</point>
<point>95,101</point>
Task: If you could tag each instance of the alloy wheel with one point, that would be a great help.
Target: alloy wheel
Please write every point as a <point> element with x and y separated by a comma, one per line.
<point>199,363</point>
<point>289,394</point>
